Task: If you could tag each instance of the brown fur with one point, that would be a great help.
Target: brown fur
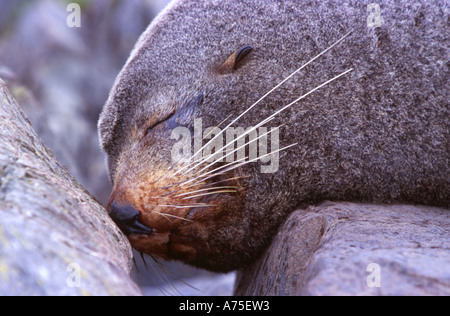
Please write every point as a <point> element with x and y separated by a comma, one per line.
<point>380,134</point>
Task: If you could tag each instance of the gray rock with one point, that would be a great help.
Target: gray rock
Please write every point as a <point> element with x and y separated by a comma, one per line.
<point>206,285</point>
<point>55,239</point>
<point>69,71</point>
<point>329,249</point>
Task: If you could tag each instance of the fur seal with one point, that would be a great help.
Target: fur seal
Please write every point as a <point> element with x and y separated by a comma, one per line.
<point>379,133</point>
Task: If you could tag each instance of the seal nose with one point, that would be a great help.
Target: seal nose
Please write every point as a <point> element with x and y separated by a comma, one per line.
<point>127,218</point>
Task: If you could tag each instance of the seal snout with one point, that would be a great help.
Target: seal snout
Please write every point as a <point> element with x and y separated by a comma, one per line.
<point>127,218</point>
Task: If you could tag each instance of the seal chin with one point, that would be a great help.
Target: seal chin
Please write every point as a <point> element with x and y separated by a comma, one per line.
<point>161,245</point>
<point>176,223</point>
<point>155,244</point>
<point>174,233</point>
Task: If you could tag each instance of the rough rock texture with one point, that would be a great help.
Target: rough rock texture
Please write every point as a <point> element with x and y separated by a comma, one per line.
<point>55,239</point>
<point>69,72</point>
<point>327,250</point>
<point>61,78</point>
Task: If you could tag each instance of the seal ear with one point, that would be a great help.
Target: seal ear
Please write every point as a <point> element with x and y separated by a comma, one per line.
<point>235,60</point>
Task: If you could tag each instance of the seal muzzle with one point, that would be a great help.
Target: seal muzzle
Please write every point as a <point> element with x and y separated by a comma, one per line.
<point>127,218</point>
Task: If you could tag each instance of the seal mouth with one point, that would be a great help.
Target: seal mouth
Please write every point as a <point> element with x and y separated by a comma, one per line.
<point>127,219</point>
<point>171,216</point>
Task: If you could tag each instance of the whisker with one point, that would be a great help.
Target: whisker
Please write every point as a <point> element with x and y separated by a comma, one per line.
<point>203,190</point>
<point>267,94</point>
<point>166,279</point>
<point>215,175</point>
<point>256,159</point>
<point>233,165</point>
<point>212,130</point>
<point>170,193</point>
<point>286,107</point>
<point>174,277</point>
<point>212,176</point>
<point>209,193</point>
<point>135,264</point>
<point>294,102</point>
<point>173,192</point>
<point>212,171</point>
<point>163,215</point>
<point>200,161</point>
<point>214,183</point>
<point>217,126</point>
<point>184,182</point>
<point>232,152</point>
<point>187,206</point>
<point>220,151</point>
<point>269,118</point>
<point>304,96</point>
<point>143,261</point>
<point>172,185</point>
<point>173,216</point>
<point>155,277</point>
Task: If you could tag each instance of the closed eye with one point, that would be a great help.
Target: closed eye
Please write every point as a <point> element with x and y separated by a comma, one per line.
<point>186,111</point>
<point>150,129</point>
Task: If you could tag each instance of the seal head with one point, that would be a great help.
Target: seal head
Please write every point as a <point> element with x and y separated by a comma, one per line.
<point>380,134</point>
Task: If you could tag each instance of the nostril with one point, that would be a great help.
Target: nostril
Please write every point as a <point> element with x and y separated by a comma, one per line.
<point>127,218</point>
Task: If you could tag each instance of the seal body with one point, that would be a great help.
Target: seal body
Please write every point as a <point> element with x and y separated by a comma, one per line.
<point>379,134</point>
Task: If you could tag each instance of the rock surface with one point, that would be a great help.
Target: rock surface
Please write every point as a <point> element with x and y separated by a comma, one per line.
<point>69,72</point>
<point>351,249</point>
<point>61,77</point>
<point>55,239</point>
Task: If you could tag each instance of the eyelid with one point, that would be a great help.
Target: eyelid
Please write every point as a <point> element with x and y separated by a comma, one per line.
<point>149,129</point>
<point>188,105</point>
